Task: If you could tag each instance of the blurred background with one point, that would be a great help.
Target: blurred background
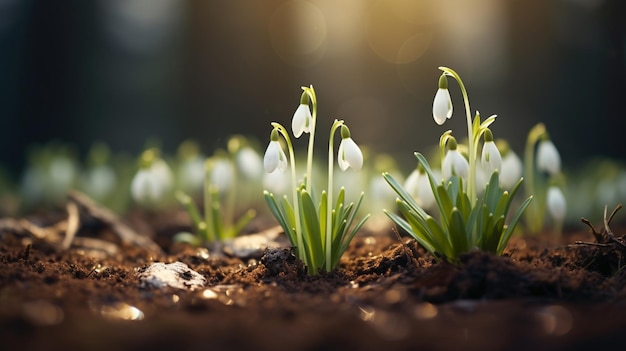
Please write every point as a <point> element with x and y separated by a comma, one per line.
<point>128,71</point>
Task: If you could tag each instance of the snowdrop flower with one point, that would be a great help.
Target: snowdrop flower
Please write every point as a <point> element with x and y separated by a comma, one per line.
<point>442,105</point>
<point>350,154</point>
<point>249,162</point>
<point>511,170</point>
<point>418,185</point>
<point>99,181</point>
<point>410,184</point>
<point>490,158</point>
<point>555,201</point>
<point>274,155</point>
<point>222,173</point>
<point>454,163</point>
<point>153,181</point>
<point>548,158</point>
<point>190,170</point>
<point>191,174</point>
<point>302,118</point>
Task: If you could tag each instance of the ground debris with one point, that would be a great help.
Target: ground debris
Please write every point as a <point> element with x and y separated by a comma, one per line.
<point>176,275</point>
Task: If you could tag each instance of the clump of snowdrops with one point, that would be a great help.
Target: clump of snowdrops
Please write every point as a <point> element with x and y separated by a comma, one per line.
<point>319,227</point>
<point>472,205</point>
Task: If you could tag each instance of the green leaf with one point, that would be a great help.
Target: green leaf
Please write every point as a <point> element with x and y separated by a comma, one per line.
<point>441,238</point>
<point>346,241</point>
<point>419,229</point>
<point>280,216</point>
<point>494,235</point>
<point>406,197</point>
<point>191,208</point>
<point>433,185</point>
<point>504,240</point>
<point>492,192</point>
<point>416,234</point>
<point>458,235</point>
<point>313,233</point>
<point>323,213</point>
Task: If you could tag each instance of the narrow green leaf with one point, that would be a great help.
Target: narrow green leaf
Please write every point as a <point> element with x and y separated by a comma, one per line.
<point>191,208</point>
<point>504,240</point>
<point>323,213</point>
<point>312,233</point>
<point>441,238</point>
<point>494,235</point>
<point>346,241</point>
<point>458,236</point>
<point>434,184</point>
<point>406,197</point>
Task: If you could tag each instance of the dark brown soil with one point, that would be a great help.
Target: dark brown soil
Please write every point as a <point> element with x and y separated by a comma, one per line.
<point>544,293</point>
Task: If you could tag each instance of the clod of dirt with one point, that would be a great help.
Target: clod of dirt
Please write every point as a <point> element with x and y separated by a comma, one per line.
<point>281,262</point>
<point>176,275</point>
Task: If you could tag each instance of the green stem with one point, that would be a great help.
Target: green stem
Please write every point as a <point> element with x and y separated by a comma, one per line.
<point>296,207</point>
<point>471,186</point>
<point>309,161</point>
<point>208,202</point>
<point>443,140</point>
<point>231,197</point>
<point>329,199</point>
<point>533,214</point>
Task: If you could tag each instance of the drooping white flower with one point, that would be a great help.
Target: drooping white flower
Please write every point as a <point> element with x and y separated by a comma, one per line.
<point>274,157</point>
<point>99,181</point>
<point>490,157</point>
<point>442,104</point>
<point>418,185</point>
<point>556,204</point>
<point>410,184</point>
<point>143,188</point>
<point>152,183</point>
<point>511,170</point>
<point>302,120</point>
<point>548,157</point>
<point>425,195</point>
<point>454,163</point>
<point>350,154</point>
<point>191,174</point>
<point>249,162</point>
<point>222,173</point>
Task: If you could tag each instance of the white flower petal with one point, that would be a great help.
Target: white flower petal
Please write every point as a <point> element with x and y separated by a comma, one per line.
<point>249,162</point>
<point>410,184</point>
<point>454,164</point>
<point>270,159</point>
<point>555,201</point>
<point>511,170</point>
<point>282,159</point>
<point>350,155</point>
<point>222,174</point>
<point>491,158</point>
<point>301,120</point>
<point>425,195</point>
<point>442,106</point>
<point>548,158</point>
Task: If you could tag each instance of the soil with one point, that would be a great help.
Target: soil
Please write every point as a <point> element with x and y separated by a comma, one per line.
<point>387,294</point>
